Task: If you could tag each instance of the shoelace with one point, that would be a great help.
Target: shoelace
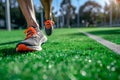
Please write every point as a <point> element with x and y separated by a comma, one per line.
<point>30,32</point>
<point>49,24</point>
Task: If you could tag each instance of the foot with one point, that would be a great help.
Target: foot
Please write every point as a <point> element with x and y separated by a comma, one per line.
<point>33,41</point>
<point>49,27</point>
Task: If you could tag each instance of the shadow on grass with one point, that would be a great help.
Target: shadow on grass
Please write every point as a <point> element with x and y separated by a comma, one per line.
<point>98,32</point>
<point>74,34</point>
<point>7,52</point>
<point>10,52</point>
<point>7,43</point>
<point>105,32</point>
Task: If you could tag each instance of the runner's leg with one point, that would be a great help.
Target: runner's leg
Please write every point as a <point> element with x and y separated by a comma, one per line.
<point>47,8</point>
<point>27,8</point>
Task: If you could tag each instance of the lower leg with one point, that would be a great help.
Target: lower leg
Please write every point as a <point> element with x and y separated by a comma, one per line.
<point>48,23</point>
<point>34,37</point>
<point>47,8</point>
<point>29,13</point>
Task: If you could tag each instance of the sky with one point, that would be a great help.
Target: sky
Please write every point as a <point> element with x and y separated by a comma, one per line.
<point>76,3</point>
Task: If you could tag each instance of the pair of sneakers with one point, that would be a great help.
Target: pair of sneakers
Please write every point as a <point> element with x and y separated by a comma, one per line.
<point>35,38</point>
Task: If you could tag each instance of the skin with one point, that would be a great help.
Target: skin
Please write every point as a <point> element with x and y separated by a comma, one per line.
<point>47,8</point>
<point>27,8</point>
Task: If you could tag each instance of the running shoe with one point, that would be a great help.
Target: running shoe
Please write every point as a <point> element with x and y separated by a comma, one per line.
<point>49,27</point>
<point>33,41</point>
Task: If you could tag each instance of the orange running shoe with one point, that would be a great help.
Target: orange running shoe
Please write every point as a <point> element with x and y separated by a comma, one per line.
<point>49,27</point>
<point>33,41</point>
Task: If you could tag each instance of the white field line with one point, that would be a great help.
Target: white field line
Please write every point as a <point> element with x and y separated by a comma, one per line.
<point>114,47</point>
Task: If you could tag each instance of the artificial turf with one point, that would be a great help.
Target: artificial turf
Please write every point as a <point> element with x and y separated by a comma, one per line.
<point>67,55</point>
<point>112,34</point>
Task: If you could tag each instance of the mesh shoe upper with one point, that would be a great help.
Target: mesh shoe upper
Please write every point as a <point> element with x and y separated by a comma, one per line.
<point>33,37</point>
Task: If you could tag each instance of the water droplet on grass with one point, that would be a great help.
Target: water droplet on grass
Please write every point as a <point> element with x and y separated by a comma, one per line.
<point>101,65</point>
<point>83,73</point>
<point>50,66</point>
<point>76,57</point>
<point>99,62</point>
<point>45,77</point>
<point>47,60</point>
<point>108,67</point>
<point>0,58</point>
<point>89,61</point>
<point>86,60</point>
<point>113,69</point>
<point>113,63</point>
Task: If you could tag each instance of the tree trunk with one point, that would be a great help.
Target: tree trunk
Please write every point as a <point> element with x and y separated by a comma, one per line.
<point>68,20</point>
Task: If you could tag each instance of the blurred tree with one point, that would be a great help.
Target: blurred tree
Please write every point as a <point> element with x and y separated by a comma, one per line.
<point>106,14</point>
<point>2,9</point>
<point>114,9</point>
<point>90,12</point>
<point>118,11</point>
<point>68,10</point>
<point>16,14</point>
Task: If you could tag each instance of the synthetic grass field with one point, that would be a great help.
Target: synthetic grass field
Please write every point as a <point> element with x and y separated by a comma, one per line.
<point>111,34</point>
<point>68,55</point>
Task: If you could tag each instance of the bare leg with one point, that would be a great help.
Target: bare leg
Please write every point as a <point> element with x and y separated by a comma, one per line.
<point>47,8</point>
<point>48,22</point>
<point>27,8</point>
<point>34,37</point>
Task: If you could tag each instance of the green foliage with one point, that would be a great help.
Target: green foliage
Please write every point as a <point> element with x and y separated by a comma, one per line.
<point>67,11</point>
<point>17,16</point>
<point>68,55</point>
<point>2,10</point>
<point>90,11</point>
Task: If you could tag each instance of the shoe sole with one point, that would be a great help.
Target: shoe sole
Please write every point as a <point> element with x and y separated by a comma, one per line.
<point>49,31</point>
<point>25,48</point>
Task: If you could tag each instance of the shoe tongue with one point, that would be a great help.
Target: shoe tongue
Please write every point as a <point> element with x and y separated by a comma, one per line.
<point>38,30</point>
